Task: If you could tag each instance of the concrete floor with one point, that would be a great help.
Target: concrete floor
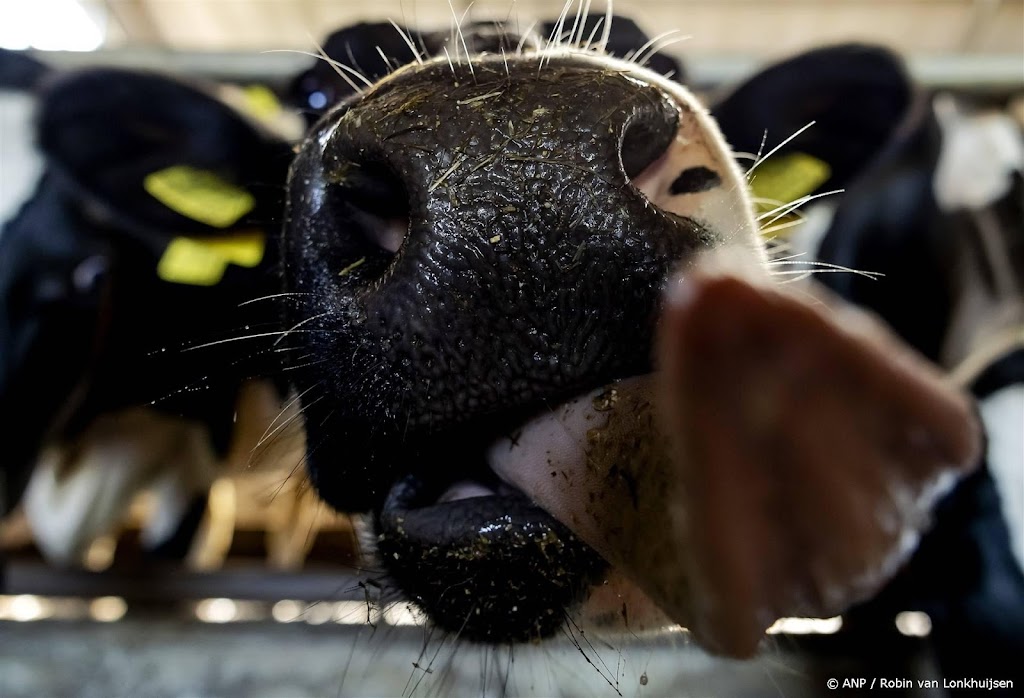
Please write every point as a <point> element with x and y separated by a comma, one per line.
<point>157,657</point>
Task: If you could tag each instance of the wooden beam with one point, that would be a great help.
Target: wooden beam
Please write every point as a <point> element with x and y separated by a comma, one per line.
<point>137,22</point>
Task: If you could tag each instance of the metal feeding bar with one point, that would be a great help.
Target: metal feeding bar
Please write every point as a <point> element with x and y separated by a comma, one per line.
<point>964,71</point>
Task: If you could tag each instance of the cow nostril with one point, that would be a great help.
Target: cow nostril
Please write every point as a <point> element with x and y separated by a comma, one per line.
<point>375,206</point>
<point>646,138</point>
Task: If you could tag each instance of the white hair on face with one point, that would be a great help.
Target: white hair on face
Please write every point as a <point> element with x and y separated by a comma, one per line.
<point>81,492</point>
<point>1003,414</point>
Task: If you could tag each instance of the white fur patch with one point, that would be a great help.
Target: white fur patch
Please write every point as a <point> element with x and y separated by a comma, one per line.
<point>979,154</point>
<point>1003,415</point>
<point>726,209</point>
<point>20,162</point>
<point>82,491</point>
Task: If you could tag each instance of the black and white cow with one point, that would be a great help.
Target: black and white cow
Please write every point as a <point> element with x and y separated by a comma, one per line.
<point>941,217</point>
<point>153,225</point>
<point>932,206</point>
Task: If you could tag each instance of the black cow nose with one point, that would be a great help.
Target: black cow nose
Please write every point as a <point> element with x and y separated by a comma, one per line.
<point>467,242</point>
<point>426,152</point>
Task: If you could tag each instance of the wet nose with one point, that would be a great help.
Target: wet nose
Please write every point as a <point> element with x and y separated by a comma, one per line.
<point>494,149</point>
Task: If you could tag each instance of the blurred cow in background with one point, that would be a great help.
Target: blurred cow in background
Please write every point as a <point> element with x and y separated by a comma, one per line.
<point>941,217</point>
<point>124,281</point>
<point>926,229</point>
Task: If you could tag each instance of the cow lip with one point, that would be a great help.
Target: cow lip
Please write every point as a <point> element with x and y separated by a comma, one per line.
<point>451,510</point>
<point>433,509</point>
<point>493,568</point>
<point>414,510</point>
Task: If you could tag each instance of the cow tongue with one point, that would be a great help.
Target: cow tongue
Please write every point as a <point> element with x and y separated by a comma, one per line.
<point>782,461</point>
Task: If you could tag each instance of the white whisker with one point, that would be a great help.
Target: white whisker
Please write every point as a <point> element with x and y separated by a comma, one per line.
<point>769,229</point>
<point>338,66</point>
<point>760,150</point>
<point>776,148</point>
<point>607,31</point>
<point>582,8</point>
<point>273,295</point>
<point>462,38</point>
<point>593,32</point>
<point>554,40</point>
<point>508,15</point>
<point>586,15</point>
<point>524,37</point>
<point>383,57</point>
<point>306,365</point>
<point>823,268</point>
<point>780,260</point>
<point>271,431</point>
<point>768,201</point>
<point>298,325</point>
<point>285,408</point>
<point>662,45</point>
<point>458,36</point>
<point>638,56</point>
<point>232,339</point>
<point>408,41</point>
<point>800,276</point>
<point>451,34</point>
<point>450,64</point>
<point>793,205</point>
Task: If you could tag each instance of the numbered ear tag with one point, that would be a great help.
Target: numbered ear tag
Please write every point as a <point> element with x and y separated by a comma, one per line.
<point>200,195</point>
<point>203,261</point>
<point>784,179</point>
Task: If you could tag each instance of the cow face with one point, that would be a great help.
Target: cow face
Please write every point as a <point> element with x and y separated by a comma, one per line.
<point>146,237</point>
<point>478,253</point>
<point>479,242</point>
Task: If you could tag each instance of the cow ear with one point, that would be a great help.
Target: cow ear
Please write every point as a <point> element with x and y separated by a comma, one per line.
<point>158,157</point>
<point>19,71</point>
<point>856,98</point>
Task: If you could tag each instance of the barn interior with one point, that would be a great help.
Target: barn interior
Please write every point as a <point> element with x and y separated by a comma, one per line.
<point>253,586</point>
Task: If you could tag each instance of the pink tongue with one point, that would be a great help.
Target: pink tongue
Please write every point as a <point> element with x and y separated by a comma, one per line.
<point>779,463</point>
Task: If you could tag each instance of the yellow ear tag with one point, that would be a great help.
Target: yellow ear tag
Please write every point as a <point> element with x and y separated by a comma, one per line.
<point>261,103</point>
<point>200,195</point>
<point>783,179</point>
<point>203,261</point>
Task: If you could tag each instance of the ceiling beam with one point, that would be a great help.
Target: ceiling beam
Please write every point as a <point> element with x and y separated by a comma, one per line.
<point>952,70</point>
